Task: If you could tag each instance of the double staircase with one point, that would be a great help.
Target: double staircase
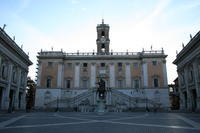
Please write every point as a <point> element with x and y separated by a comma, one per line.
<point>119,101</point>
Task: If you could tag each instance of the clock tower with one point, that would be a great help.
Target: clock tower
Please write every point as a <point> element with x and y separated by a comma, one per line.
<point>103,40</point>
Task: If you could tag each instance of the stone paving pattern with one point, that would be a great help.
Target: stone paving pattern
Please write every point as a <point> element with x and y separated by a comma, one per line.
<point>72,122</point>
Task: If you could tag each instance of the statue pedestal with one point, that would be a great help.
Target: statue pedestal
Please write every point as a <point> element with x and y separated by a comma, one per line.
<point>101,105</point>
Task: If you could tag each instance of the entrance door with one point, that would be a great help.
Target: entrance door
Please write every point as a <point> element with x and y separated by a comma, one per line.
<point>185,97</point>
<point>194,102</point>
<point>1,97</point>
<point>11,101</point>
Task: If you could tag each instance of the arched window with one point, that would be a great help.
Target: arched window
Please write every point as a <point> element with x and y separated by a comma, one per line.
<point>155,82</point>
<point>85,83</point>
<point>102,33</point>
<point>67,83</point>
<point>136,83</point>
<point>14,76</point>
<point>48,82</point>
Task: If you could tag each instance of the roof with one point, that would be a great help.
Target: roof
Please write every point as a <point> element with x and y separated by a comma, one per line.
<point>192,44</point>
<point>12,44</point>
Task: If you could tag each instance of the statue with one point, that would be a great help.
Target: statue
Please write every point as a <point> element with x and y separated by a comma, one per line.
<point>101,88</point>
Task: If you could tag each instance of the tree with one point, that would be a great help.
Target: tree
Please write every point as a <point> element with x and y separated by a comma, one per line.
<point>30,93</point>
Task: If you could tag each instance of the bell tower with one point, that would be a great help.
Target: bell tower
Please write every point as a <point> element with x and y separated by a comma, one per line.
<point>103,40</point>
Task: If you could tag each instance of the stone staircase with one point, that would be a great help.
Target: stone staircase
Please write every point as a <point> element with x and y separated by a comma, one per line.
<point>119,101</point>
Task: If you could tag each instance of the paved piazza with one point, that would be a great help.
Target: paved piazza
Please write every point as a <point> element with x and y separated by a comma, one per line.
<point>59,122</point>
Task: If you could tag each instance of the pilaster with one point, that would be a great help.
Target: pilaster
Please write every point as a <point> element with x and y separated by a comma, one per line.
<point>16,104</point>
<point>165,74</point>
<point>39,74</point>
<point>7,91</point>
<point>23,98</point>
<point>128,75</point>
<point>145,74</point>
<point>112,74</point>
<point>60,76</point>
<point>77,76</point>
<point>93,75</point>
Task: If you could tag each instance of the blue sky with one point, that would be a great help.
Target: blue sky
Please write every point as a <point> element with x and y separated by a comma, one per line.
<point>71,25</point>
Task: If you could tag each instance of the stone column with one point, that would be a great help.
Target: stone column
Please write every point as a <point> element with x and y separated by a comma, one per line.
<point>39,74</point>
<point>16,104</point>
<point>197,87</point>
<point>23,98</point>
<point>189,102</point>
<point>60,76</point>
<point>182,99</point>
<point>95,97</point>
<point>128,75</point>
<point>145,74</point>
<point>93,75</point>
<point>7,91</point>
<point>112,74</point>
<point>165,74</point>
<point>77,76</point>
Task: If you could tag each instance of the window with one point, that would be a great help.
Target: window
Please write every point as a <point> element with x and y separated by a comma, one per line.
<point>135,64</point>
<point>102,64</point>
<point>155,82</point>
<point>85,64</point>
<point>136,84</point>
<point>85,83</point>
<point>120,83</point>
<point>102,33</point>
<point>50,64</point>
<point>119,64</point>
<point>48,82</point>
<point>68,83</point>
<point>182,78</point>
<point>103,45</point>
<point>69,65</point>
<point>14,76</point>
<point>154,63</point>
<point>4,71</point>
<point>191,74</point>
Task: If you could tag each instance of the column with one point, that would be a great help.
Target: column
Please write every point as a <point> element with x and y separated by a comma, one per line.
<point>60,75</point>
<point>145,74</point>
<point>16,104</point>
<point>197,87</point>
<point>77,76</point>
<point>128,75</point>
<point>182,99</point>
<point>7,91</point>
<point>39,74</point>
<point>189,102</point>
<point>112,74</point>
<point>165,74</point>
<point>95,97</point>
<point>93,75</point>
<point>23,98</point>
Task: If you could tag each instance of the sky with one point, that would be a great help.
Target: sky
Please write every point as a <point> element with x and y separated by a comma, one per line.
<point>71,25</point>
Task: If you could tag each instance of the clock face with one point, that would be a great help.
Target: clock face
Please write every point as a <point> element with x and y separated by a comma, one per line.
<point>103,39</point>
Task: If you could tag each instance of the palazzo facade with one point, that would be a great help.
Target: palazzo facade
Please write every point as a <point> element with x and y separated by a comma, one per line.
<point>188,69</point>
<point>14,64</point>
<point>133,79</point>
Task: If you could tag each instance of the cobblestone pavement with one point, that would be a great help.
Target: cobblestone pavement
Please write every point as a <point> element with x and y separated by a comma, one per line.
<point>60,122</point>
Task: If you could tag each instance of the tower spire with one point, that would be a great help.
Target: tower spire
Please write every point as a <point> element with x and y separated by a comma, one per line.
<point>102,21</point>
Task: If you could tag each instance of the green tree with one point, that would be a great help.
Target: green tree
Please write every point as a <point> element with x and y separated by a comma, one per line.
<point>30,95</point>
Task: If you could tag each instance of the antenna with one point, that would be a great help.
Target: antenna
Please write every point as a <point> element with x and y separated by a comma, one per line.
<point>151,47</point>
<point>13,38</point>
<point>21,46</point>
